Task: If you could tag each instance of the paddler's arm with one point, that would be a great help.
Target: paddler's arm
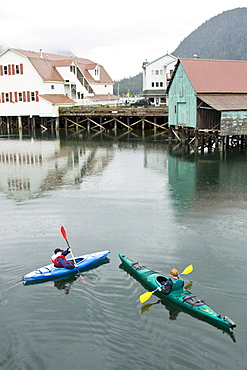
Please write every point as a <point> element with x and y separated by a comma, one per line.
<point>65,264</point>
<point>67,251</point>
<point>167,288</point>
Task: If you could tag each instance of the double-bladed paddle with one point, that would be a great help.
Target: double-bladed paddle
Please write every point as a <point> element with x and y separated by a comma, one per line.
<point>148,305</point>
<point>63,232</point>
<point>145,296</point>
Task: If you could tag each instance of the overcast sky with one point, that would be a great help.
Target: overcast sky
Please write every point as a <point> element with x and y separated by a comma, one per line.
<point>120,35</point>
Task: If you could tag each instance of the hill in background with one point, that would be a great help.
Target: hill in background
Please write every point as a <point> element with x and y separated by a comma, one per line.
<point>132,85</point>
<point>221,37</point>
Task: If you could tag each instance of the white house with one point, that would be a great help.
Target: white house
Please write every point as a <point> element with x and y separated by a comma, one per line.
<point>37,84</point>
<point>156,76</point>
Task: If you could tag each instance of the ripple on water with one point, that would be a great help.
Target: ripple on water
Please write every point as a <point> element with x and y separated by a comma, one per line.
<point>14,353</point>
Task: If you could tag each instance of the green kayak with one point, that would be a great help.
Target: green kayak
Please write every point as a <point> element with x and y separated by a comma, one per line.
<point>181,298</point>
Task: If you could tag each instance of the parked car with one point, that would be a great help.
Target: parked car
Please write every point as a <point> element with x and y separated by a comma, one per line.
<point>141,103</point>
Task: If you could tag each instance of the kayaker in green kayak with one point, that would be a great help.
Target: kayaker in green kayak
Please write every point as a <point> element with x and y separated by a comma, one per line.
<point>174,282</point>
<point>59,259</point>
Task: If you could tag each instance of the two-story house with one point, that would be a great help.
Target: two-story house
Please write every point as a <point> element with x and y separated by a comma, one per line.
<point>156,76</point>
<point>37,83</point>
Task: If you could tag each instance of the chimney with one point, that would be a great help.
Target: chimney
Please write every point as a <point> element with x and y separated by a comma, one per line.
<point>41,54</point>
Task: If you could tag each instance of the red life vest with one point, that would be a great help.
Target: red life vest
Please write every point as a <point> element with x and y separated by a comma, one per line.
<point>55,261</point>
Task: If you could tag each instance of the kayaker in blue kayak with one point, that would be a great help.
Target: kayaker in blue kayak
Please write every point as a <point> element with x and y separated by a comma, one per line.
<point>59,259</point>
<point>174,282</point>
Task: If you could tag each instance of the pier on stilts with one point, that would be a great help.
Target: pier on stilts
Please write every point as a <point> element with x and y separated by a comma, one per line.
<point>127,118</point>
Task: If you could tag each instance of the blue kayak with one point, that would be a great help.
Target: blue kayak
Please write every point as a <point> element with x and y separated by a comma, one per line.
<point>51,272</point>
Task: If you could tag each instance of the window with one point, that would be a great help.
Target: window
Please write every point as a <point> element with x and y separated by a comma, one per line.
<point>161,72</point>
<point>32,96</point>
<point>157,72</point>
<point>5,70</point>
<point>157,84</point>
<point>152,84</point>
<point>20,96</point>
<point>17,69</point>
<point>72,69</point>
<point>52,87</point>
<point>161,84</point>
<point>7,97</point>
<point>152,72</point>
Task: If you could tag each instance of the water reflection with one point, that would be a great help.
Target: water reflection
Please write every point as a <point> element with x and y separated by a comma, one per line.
<point>174,311</point>
<point>30,167</point>
<point>65,284</point>
<point>36,163</point>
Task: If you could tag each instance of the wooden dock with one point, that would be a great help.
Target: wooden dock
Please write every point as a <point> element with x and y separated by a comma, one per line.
<point>97,117</point>
<point>127,118</point>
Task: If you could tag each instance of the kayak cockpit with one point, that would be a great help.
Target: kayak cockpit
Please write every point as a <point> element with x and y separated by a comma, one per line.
<point>78,260</point>
<point>161,279</point>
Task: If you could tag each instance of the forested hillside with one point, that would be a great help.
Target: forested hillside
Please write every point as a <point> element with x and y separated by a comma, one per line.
<point>221,37</point>
<point>132,85</point>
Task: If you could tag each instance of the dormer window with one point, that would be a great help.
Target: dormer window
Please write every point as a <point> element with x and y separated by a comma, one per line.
<point>96,73</point>
<point>72,69</point>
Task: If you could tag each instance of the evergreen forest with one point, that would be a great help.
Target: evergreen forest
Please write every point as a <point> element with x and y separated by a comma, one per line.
<point>221,37</point>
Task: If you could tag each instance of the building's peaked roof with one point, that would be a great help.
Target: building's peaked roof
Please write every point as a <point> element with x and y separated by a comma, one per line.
<point>46,69</point>
<point>46,63</point>
<point>57,99</point>
<point>170,59</point>
<point>103,97</point>
<point>216,76</point>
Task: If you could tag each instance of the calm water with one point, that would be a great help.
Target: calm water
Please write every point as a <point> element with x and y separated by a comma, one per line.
<point>161,206</point>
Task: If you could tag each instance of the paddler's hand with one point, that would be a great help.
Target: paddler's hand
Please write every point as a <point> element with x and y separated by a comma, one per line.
<point>69,250</point>
<point>159,289</point>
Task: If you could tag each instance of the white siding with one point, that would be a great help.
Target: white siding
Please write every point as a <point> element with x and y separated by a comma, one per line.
<point>100,89</point>
<point>31,84</point>
<point>157,72</point>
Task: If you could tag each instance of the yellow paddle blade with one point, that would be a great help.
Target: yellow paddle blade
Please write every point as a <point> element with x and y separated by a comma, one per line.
<point>187,270</point>
<point>145,296</point>
<point>146,307</point>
